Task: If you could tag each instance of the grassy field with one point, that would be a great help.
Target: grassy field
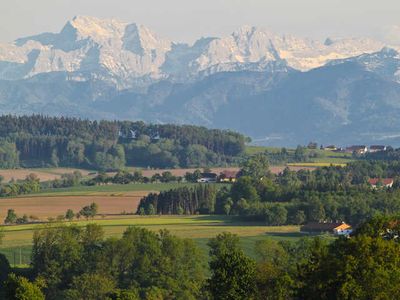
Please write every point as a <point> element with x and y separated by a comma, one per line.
<point>325,158</point>
<point>251,150</point>
<point>331,157</point>
<point>18,239</point>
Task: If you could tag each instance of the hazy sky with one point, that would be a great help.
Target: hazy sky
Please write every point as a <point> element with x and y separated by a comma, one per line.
<point>186,20</point>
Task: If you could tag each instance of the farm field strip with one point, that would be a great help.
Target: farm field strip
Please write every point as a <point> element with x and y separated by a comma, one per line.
<point>44,174</point>
<point>112,188</point>
<point>111,199</point>
<point>316,164</point>
<point>44,207</point>
<point>189,227</point>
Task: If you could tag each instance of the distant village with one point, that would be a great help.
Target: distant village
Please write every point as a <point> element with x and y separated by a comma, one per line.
<point>354,149</point>
<point>231,176</point>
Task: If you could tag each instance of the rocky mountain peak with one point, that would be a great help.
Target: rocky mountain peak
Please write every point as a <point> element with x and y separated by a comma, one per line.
<point>97,29</point>
<point>125,53</point>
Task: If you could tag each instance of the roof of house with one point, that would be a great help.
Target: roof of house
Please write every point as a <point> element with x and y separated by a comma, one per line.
<point>329,226</point>
<point>229,174</point>
<point>384,181</point>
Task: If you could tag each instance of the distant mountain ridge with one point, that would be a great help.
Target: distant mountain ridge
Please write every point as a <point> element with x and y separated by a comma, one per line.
<point>123,52</point>
<point>279,89</point>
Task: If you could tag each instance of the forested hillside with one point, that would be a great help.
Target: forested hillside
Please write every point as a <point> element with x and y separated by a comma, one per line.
<point>39,141</point>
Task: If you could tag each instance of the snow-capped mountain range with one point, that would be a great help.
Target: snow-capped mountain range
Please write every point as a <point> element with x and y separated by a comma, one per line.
<point>123,52</point>
<point>280,89</point>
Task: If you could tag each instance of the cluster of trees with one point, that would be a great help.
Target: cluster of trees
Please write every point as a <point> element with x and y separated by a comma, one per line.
<point>38,141</point>
<point>284,156</point>
<point>79,263</point>
<point>13,218</point>
<point>125,177</point>
<point>199,199</point>
<point>31,184</point>
<point>66,180</point>
<point>325,194</point>
<point>88,211</point>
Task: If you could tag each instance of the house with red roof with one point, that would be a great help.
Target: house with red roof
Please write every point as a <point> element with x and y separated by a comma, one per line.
<point>381,182</point>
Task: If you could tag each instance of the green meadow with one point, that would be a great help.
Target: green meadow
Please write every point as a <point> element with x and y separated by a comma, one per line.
<point>17,242</point>
<point>323,156</point>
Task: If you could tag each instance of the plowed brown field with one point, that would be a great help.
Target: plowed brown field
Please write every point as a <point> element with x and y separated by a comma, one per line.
<point>44,207</point>
<point>43,174</point>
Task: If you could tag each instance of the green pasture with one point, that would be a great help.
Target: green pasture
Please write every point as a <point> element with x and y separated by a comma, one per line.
<point>251,150</point>
<point>18,239</point>
<point>324,157</point>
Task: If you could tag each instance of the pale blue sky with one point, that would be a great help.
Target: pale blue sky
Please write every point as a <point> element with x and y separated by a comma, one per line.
<point>186,20</point>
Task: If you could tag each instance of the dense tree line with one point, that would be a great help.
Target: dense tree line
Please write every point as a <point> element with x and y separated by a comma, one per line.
<point>199,199</point>
<point>38,141</point>
<point>78,263</point>
<point>70,262</point>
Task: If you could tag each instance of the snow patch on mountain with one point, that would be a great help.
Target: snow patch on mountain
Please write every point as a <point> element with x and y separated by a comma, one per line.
<point>125,54</point>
